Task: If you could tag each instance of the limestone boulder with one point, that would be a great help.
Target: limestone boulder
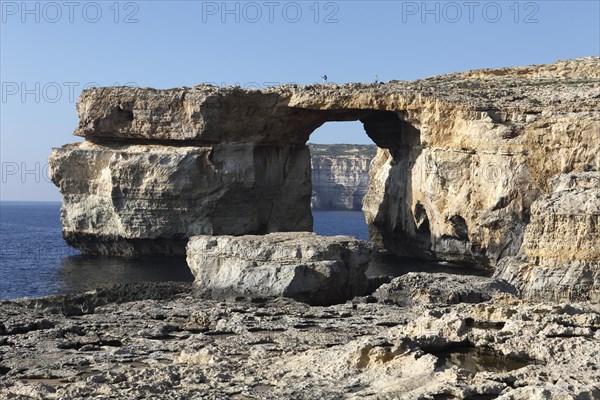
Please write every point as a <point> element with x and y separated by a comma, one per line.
<point>303,266</point>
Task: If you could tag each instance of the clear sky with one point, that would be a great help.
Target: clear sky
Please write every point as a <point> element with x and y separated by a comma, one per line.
<point>51,50</point>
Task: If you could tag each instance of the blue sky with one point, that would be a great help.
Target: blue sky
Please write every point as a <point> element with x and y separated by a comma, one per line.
<point>51,50</point>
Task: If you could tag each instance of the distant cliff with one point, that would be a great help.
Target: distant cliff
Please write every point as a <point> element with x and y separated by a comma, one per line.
<point>340,175</point>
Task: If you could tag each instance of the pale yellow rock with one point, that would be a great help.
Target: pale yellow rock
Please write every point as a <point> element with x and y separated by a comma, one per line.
<point>560,254</point>
<point>464,158</point>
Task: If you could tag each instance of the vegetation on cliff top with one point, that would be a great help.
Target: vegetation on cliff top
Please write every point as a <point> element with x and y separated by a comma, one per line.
<point>342,150</point>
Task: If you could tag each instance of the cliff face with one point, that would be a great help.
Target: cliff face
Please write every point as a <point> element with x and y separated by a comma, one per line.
<point>340,175</point>
<point>131,199</point>
<point>462,159</point>
<point>559,257</point>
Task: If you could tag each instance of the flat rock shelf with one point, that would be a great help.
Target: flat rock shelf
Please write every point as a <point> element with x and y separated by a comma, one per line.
<point>162,341</point>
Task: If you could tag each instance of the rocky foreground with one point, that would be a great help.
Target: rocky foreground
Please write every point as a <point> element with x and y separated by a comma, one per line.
<point>162,341</point>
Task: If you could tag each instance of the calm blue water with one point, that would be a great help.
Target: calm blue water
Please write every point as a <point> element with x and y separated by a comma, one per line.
<point>35,260</point>
<point>351,223</point>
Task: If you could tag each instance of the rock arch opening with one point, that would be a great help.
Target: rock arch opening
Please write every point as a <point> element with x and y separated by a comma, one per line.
<point>236,165</point>
<point>341,153</point>
<point>383,196</point>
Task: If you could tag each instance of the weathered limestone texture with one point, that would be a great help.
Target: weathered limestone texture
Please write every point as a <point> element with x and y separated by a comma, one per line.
<point>165,343</point>
<point>441,288</point>
<point>340,175</point>
<point>131,199</point>
<point>462,159</point>
<point>303,266</point>
<point>561,249</point>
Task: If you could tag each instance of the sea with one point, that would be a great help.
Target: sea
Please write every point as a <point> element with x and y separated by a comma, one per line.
<point>35,260</point>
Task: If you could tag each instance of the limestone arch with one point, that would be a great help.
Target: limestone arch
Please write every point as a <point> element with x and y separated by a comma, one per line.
<point>399,144</point>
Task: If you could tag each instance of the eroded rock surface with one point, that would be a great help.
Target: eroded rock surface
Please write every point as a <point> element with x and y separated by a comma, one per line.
<point>441,288</point>
<point>186,347</point>
<point>131,199</point>
<point>303,266</point>
<point>561,249</point>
